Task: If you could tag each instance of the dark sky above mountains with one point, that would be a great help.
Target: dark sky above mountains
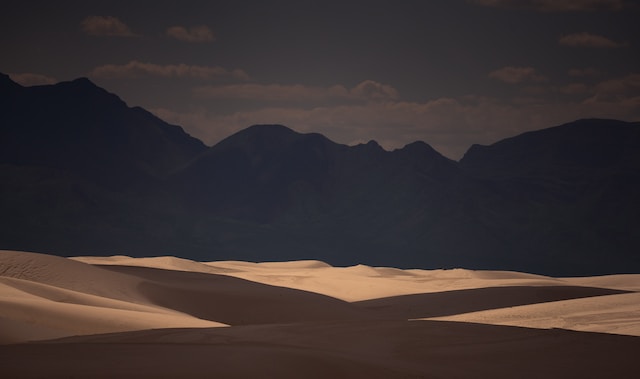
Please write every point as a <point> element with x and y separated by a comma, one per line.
<point>448,72</point>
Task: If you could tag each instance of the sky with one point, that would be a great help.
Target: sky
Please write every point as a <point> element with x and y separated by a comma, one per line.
<point>450,73</point>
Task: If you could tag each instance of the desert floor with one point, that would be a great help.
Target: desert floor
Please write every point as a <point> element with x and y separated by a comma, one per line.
<point>169,317</point>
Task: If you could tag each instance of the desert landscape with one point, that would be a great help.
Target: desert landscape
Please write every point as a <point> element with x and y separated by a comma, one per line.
<point>170,317</point>
<point>320,189</point>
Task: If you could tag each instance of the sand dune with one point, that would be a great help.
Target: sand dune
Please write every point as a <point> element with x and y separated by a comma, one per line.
<point>470,300</point>
<point>166,262</point>
<point>618,314</point>
<point>628,282</point>
<point>172,317</point>
<point>236,301</point>
<point>45,297</point>
<point>354,283</point>
<point>362,282</point>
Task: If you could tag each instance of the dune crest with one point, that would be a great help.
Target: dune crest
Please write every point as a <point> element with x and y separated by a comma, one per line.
<point>165,262</point>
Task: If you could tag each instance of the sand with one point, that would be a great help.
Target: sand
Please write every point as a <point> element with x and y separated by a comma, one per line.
<point>170,317</point>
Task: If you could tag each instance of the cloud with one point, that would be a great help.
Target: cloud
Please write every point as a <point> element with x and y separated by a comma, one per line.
<point>194,34</point>
<point>136,69</point>
<point>367,90</point>
<point>555,5</point>
<point>105,26</point>
<point>29,79</point>
<point>585,39</point>
<point>514,75</point>
<point>617,88</point>
<point>374,91</point>
<point>614,90</point>
<point>615,97</point>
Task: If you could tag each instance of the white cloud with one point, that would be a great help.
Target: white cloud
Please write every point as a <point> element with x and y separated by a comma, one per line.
<point>136,68</point>
<point>585,39</point>
<point>30,79</point>
<point>105,26</point>
<point>193,34</point>
<point>514,75</point>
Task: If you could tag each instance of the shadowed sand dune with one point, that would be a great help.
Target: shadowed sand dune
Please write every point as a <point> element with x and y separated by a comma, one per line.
<point>464,301</point>
<point>235,301</point>
<point>167,317</point>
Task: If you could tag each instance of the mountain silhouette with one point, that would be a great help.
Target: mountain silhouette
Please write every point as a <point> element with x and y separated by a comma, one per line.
<point>83,173</point>
<point>568,195</point>
<point>80,127</point>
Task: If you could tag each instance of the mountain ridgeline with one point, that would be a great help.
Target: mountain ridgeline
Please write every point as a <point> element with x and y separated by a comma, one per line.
<point>84,174</point>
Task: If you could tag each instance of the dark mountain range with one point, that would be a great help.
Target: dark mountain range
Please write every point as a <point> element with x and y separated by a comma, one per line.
<point>79,127</point>
<point>83,173</point>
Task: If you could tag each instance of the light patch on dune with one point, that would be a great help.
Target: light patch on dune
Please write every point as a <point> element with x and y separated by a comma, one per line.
<point>626,282</point>
<point>618,314</point>
<point>67,319</point>
<point>304,264</point>
<point>18,289</point>
<point>68,274</point>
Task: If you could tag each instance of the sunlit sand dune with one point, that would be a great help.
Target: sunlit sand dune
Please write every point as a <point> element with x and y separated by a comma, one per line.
<point>172,317</point>
<point>60,297</point>
<point>362,282</point>
<point>608,314</point>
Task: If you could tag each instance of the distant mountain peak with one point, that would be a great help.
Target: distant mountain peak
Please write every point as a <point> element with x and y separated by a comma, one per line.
<point>269,128</point>
<point>82,128</point>
<point>7,84</point>
<point>374,144</point>
<point>84,81</point>
<point>265,137</point>
<point>419,146</point>
<point>4,79</point>
<point>83,84</point>
<point>585,143</point>
<point>262,131</point>
<point>84,91</point>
